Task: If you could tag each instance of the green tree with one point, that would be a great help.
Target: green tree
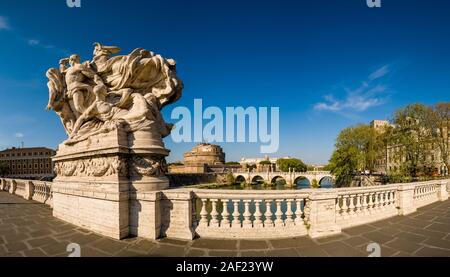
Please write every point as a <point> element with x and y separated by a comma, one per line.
<point>176,164</point>
<point>344,164</point>
<point>232,163</point>
<point>412,138</point>
<point>315,184</point>
<point>293,164</point>
<point>230,180</point>
<point>363,138</point>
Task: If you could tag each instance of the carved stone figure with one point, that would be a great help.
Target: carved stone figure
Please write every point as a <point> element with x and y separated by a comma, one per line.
<point>108,92</point>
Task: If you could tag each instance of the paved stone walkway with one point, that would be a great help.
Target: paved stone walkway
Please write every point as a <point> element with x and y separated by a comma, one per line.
<point>28,228</point>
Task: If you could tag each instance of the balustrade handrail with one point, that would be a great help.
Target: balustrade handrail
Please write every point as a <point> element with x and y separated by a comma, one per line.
<point>345,191</point>
<point>251,194</point>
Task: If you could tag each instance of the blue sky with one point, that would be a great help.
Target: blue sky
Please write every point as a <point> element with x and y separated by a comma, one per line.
<point>326,64</point>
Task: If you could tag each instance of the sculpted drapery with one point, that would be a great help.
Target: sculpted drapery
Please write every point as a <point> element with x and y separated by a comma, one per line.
<point>113,92</point>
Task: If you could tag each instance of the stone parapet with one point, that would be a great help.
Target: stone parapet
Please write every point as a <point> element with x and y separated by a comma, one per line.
<point>228,214</point>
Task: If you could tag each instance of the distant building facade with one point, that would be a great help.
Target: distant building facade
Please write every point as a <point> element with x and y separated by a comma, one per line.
<point>381,162</point>
<point>390,159</point>
<point>261,164</point>
<point>28,163</point>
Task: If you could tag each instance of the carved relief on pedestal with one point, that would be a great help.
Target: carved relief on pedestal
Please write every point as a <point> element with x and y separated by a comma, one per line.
<point>147,166</point>
<point>92,167</point>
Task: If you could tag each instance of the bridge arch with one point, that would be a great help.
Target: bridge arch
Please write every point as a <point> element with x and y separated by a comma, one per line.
<point>302,181</point>
<point>257,179</point>
<point>326,182</point>
<point>276,178</point>
<point>240,179</point>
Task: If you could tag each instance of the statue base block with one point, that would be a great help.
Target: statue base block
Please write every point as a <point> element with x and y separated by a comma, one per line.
<point>108,184</point>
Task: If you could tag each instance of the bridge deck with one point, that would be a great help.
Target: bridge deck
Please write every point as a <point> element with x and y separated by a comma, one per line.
<point>28,228</point>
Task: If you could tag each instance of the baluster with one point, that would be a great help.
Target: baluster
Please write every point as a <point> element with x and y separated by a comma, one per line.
<point>204,214</point>
<point>299,213</point>
<point>236,221</point>
<point>380,200</point>
<point>247,222</point>
<point>268,222</point>
<point>384,200</point>
<point>344,205</point>
<point>289,213</point>
<point>278,214</point>
<point>358,204</point>
<point>376,205</point>
<point>194,213</point>
<point>214,214</point>
<point>351,207</point>
<point>388,199</point>
<point>258,215</point>
<point>338,206</point>
<point>370,204</point>
<point>225,215</point>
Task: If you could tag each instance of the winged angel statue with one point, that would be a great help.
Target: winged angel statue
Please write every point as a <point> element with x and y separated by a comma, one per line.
<point>113,92</point>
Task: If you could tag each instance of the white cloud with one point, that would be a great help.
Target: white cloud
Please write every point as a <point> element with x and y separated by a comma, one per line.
<point>30,41</point>
<point>33,42</point>
<point>4,23</point>
<point>19,135</point>
<point>366,96</point>
<point>381,72</point>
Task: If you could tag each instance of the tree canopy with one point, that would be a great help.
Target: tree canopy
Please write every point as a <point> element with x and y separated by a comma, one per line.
<point>416,141</point>
<point>293,164</point>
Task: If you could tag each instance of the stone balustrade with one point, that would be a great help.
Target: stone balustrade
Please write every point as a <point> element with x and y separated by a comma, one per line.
<point>185,213</point>
<point>363,205</point>
<point>29,189</point>
<point>249,214</point>
<point>425,194</point>
<point>254,214</point>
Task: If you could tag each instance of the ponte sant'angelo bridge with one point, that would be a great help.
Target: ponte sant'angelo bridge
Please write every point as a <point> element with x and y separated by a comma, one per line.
<point>291,177</point>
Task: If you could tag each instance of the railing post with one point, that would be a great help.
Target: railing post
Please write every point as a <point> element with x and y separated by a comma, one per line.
<point>13,187</point>
<point>321,214</point>
<point>29,190</point>
<point>2,184</point>
<point>442,190</point>
<point>178,210</point>
<point>406,199</point>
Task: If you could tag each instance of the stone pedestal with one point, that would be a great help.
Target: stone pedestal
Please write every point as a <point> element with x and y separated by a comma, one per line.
<point>29,190</point>
<point>405,199</point>
<point>99,180</point>
<point>442,191</point>
<point>177,212</point>
<point>321,214</point>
